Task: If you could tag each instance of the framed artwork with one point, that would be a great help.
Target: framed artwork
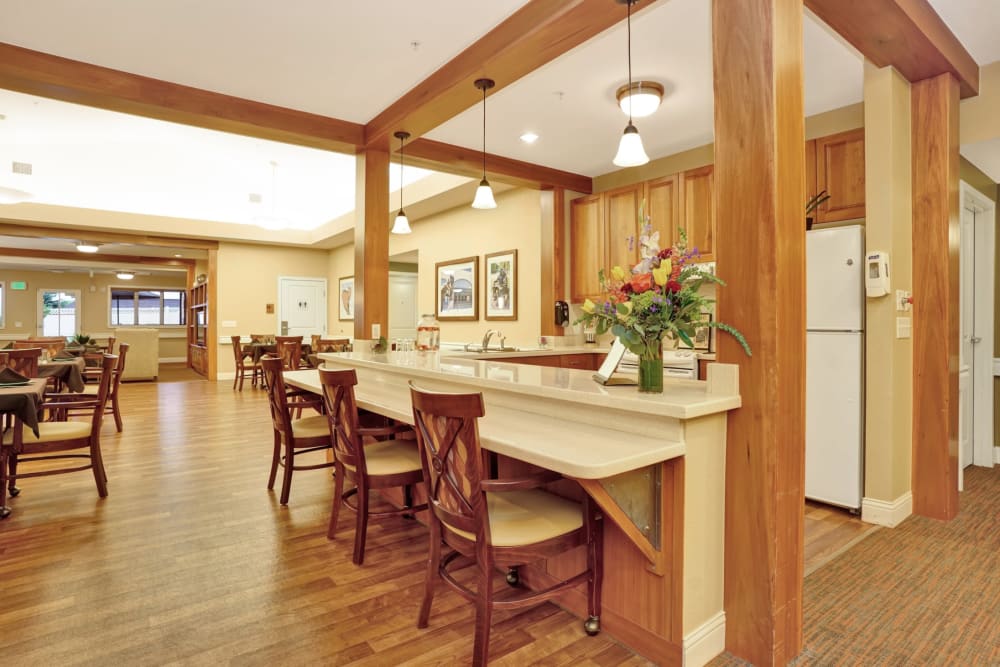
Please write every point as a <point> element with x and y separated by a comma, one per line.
<point>457,287</point>
<point>501,285</point>
<point>703,334</point>
<point>345,300</point>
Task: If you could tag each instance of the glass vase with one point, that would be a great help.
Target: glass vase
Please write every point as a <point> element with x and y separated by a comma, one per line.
<point>651,375</point>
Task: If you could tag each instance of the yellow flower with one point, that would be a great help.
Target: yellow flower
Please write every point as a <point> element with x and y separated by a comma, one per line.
<point>662,274</point>
<point>588,307</point>
<point>618,273</point>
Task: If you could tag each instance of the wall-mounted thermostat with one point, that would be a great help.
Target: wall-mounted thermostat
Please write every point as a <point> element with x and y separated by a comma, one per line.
<point>876,273</point>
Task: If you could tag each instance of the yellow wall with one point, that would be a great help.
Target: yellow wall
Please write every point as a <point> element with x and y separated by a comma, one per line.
<point>22,306</point>
<point>248,280</point>
<point>980,120</point>
<point>465,232</point>
<point>889,360</point>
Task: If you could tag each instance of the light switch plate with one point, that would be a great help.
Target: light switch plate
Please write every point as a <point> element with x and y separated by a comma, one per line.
<point>376,331</point>
<point>229,323</point>
<point>902,327</point>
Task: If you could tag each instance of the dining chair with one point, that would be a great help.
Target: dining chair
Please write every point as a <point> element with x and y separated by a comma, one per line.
<point>293,437</point>
<point>23,360</point>
<point>241,366</point>
<point>55,437</point>
<point>50,346</point>
<point>494,522</point>
<point>290,351</point>
<point>112,406</point>
<point>368,457</point>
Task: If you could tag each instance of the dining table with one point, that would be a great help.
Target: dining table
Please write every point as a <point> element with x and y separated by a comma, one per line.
<point>257,350</point>
<point>68,372</point>
<point>21,402</point>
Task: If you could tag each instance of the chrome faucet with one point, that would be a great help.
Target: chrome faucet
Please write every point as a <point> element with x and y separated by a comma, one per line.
<point>486,339</point>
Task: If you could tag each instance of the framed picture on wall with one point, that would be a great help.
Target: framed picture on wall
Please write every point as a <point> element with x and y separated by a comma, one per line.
<point>457,287</point>
<point>345,300</point>
<point>501,285</point>
<point>702,338</point>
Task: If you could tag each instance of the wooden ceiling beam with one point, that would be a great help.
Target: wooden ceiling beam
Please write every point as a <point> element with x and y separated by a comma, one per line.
<point>166,262</point>
<point>907,34</point>
<point>534,35</point>
<point>439,156</point>
<point>42,74</point>
<point>11,227</point>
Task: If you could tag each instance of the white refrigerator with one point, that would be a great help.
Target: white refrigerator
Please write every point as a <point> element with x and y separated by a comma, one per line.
<point>835,318</point>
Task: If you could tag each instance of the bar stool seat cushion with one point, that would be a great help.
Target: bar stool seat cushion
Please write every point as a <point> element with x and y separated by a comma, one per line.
<point>311,427</point>
<point>51,432</point>
<point>527,517</point>
<point>391,457</point>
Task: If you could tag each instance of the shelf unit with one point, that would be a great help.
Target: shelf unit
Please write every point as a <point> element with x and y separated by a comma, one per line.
<point>197,328</point>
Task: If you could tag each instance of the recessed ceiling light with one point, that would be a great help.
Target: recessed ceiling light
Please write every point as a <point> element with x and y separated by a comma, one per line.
<point>87,247</point>
<point>125,275</point>
<point>529,137</point>
<point>177,254</point>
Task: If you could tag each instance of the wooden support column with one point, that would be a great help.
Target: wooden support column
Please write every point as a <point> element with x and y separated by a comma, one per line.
<point>760,199</point>
<point>934,108</point>
<point>553,257</point>
<point>371,244</point>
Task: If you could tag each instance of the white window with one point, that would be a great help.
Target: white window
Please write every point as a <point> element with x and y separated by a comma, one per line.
<point>59,312</point>
<point>147,307</point>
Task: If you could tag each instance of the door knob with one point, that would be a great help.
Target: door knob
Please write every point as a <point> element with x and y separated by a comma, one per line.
<point>976,339</point>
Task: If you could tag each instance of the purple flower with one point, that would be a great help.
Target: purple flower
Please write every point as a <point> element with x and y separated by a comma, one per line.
<point>631,243</point>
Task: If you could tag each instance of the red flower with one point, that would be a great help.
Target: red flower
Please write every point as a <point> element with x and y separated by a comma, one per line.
<point>626,289</point>
<point>642,282</point>
<point>666,252</point>
<point>676,273</point>
<point>674,286</point>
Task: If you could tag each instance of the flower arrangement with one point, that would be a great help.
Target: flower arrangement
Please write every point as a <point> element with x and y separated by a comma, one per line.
<point>660,296</point>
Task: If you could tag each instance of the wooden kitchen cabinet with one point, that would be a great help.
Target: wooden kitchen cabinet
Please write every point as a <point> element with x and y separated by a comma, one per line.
<point>586,247</point>
<point>663,206</point>
<point>622,215</point>
<point>840,170</point>
<point>698,201</point>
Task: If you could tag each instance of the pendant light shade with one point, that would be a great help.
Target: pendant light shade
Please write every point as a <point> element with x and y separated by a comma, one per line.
<point>402,224</point>
<point>272,222</point>
<point>630,150</point>
<point>484,193</point>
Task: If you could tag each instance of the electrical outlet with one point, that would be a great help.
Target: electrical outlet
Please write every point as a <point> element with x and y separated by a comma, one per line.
<point>902,327</point>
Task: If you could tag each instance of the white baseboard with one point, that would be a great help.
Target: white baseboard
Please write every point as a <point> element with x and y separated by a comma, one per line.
<point>705,642</point>
<point>172,360</point>
<point>882,513</point>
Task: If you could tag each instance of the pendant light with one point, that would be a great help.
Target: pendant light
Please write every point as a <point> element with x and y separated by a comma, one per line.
<point>484,193</point>
<point>630,150</point>
<point>272,222</point>
<point>402,224</point>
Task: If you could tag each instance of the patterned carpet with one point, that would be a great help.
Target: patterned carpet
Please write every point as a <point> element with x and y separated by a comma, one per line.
<point>924,593</point>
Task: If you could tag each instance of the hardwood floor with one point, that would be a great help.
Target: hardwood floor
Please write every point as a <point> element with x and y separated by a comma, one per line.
<point>190,560</point>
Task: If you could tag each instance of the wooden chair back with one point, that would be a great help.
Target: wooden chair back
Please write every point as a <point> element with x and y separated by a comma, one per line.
<point>277,398</point>
<point>111,344</point>
<point>262,339</point>
<point>24,360</point>
<point>342,411</point>
<point>118,370</point>
<point>290,351</point>
<point>329,344</point>
<point>448,435</point>
<point>49,346</point>
<point>237,352</point>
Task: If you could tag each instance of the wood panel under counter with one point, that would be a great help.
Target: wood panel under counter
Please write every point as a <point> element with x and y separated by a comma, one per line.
<point>662,457</point>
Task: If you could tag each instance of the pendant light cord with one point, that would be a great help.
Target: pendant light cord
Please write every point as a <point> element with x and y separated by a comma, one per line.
<point>484,133</point>
<point>628,31</point>
<point>401,173</point>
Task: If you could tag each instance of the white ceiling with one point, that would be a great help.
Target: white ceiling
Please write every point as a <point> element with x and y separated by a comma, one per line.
<point>350,60</point>
<point>86,263</point>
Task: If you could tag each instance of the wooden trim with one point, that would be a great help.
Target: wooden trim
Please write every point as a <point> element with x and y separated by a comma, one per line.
<point>59,78</point>
<point>468,162</point>
<point>935,113</point>
<point>907,34</point>
<point>553,261</point>
<point>371,244</point>
<point>98,258</point>
<point>759,193</point>
<point>11,227</point>
<point>534,35</point>
<point>212,335</point>
<point>187,285</point>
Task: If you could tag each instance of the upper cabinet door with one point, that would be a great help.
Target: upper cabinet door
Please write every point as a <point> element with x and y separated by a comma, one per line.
<point>586,247</point>
<point>840,170</point>
<point>663,206</point>
<point>698,192</point>
<point>622,207</point>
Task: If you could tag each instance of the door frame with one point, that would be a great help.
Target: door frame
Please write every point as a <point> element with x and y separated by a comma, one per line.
<point>39,315</point>
<point>325,300</point>
<point>982,364</point>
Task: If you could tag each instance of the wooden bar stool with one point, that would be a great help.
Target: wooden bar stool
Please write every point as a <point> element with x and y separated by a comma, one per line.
<point>364,459</point>
<point>494,522</point>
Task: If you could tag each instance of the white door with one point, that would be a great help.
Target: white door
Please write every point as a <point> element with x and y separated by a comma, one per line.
<point>301,306</point>
<point>59,312</point>
<point>966,346</point>
<point>403,313</point>
<point>834,259</point>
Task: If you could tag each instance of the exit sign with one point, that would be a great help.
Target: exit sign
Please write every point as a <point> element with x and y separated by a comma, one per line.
<point>18,285</point>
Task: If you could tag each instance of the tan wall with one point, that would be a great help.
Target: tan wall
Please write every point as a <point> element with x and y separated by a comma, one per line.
<point>248,280</point>
<point>22,306</point>
<point>889,360</point>
<point>980,118</point>
<point>465,232</point>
